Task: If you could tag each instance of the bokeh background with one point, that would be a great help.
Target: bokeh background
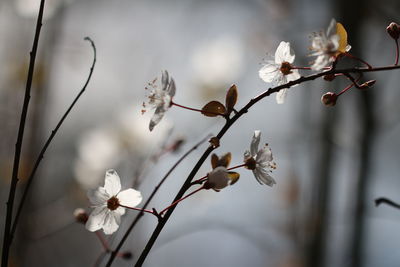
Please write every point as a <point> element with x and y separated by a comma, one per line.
<point>332,162</point>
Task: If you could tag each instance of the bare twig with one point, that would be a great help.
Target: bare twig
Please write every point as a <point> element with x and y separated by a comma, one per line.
<point>18,145</point>
<point>387,201</point>
<point>46,145</point>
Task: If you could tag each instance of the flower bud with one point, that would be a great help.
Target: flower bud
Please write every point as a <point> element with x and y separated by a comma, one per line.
<point>81,216</point>
<point>127,255</point>
<point>177,144</point>
<point>393,30</point>
<point>329,99</point>
<point>214,141</point>
<point>329,77</point>
<point>367,84</point>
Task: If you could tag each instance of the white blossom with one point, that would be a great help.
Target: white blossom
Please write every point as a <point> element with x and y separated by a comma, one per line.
<point>280,70</point>
<point>106,203</point>
<point>327,46</point>
<point>160,98</point>
<point>260,161</point>
<point>219,178</point>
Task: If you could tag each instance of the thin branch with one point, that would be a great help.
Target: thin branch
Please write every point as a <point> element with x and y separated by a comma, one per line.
<point>18,145</point>
<point>140,214</point>
<point>387,201</point>
<point>46,145</point>
<point>225,128</point>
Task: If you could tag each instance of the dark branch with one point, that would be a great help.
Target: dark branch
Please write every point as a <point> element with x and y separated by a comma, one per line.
<point>387,201</point>
<point>18,145</point>
<point>49,140</point>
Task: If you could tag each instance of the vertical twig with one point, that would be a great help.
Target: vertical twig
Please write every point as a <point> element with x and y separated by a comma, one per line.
<point>46,145</point>
<point>18,145</point>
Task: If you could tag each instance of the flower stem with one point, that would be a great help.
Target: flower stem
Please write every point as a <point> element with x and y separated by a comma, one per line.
<point>138,209</point>
<point>194,109</point>
<point>179,200</point>
<point>359,59</point>
<point>307,68</point>
<point>397,52</point>
<point>238,166</point>
<point>202,179</point>
<point>103,241</point>
<point>345,89</point>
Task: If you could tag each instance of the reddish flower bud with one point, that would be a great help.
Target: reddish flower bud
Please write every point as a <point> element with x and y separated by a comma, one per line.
<point>329,77</point>
<point>127,255</point>
<point>81,216</point>
<point>393,30</point>
<point>329,99</point>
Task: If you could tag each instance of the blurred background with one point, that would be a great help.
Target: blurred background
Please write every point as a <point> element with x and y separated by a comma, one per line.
<point>332,162</point>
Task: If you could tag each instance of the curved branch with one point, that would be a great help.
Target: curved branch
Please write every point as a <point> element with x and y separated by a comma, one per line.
<point>46,145</point>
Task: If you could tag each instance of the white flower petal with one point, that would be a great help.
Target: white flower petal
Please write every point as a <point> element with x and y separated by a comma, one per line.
<point>171,88</point>
<point>284,53</point>
<point>111,223</point>
<point>120,211</point>
<point>281,96</point>
<point>130,197</point>
<point>98,197</point>
<point>255,142</point>
<point>332,28</point>
<point>321,62</point>
<point>158,115</point>
<point>268,72</point>
<point>293,76</point>
<point>164,80</point>
<point>219,178</point>
<point>96,219</point>
<point>264,155</point>
<point>112,183</point>
<point>263,177</point>
<point>246,155</point>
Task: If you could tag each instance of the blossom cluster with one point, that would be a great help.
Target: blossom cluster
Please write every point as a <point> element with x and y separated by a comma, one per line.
<point>109,202</point>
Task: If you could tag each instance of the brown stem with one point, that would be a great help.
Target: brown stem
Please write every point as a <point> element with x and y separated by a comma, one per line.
<point>138,209</point>
<point>14,180</point>
<point>397,52</point>
<point>179,200</point>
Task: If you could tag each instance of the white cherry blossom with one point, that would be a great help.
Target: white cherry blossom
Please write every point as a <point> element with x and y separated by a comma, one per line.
<point>219,178</point>
<point>279,70</point>
<point>106,202</point>
<point>160,98</point>
<point>327,46</point>
<point>260,161</point>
